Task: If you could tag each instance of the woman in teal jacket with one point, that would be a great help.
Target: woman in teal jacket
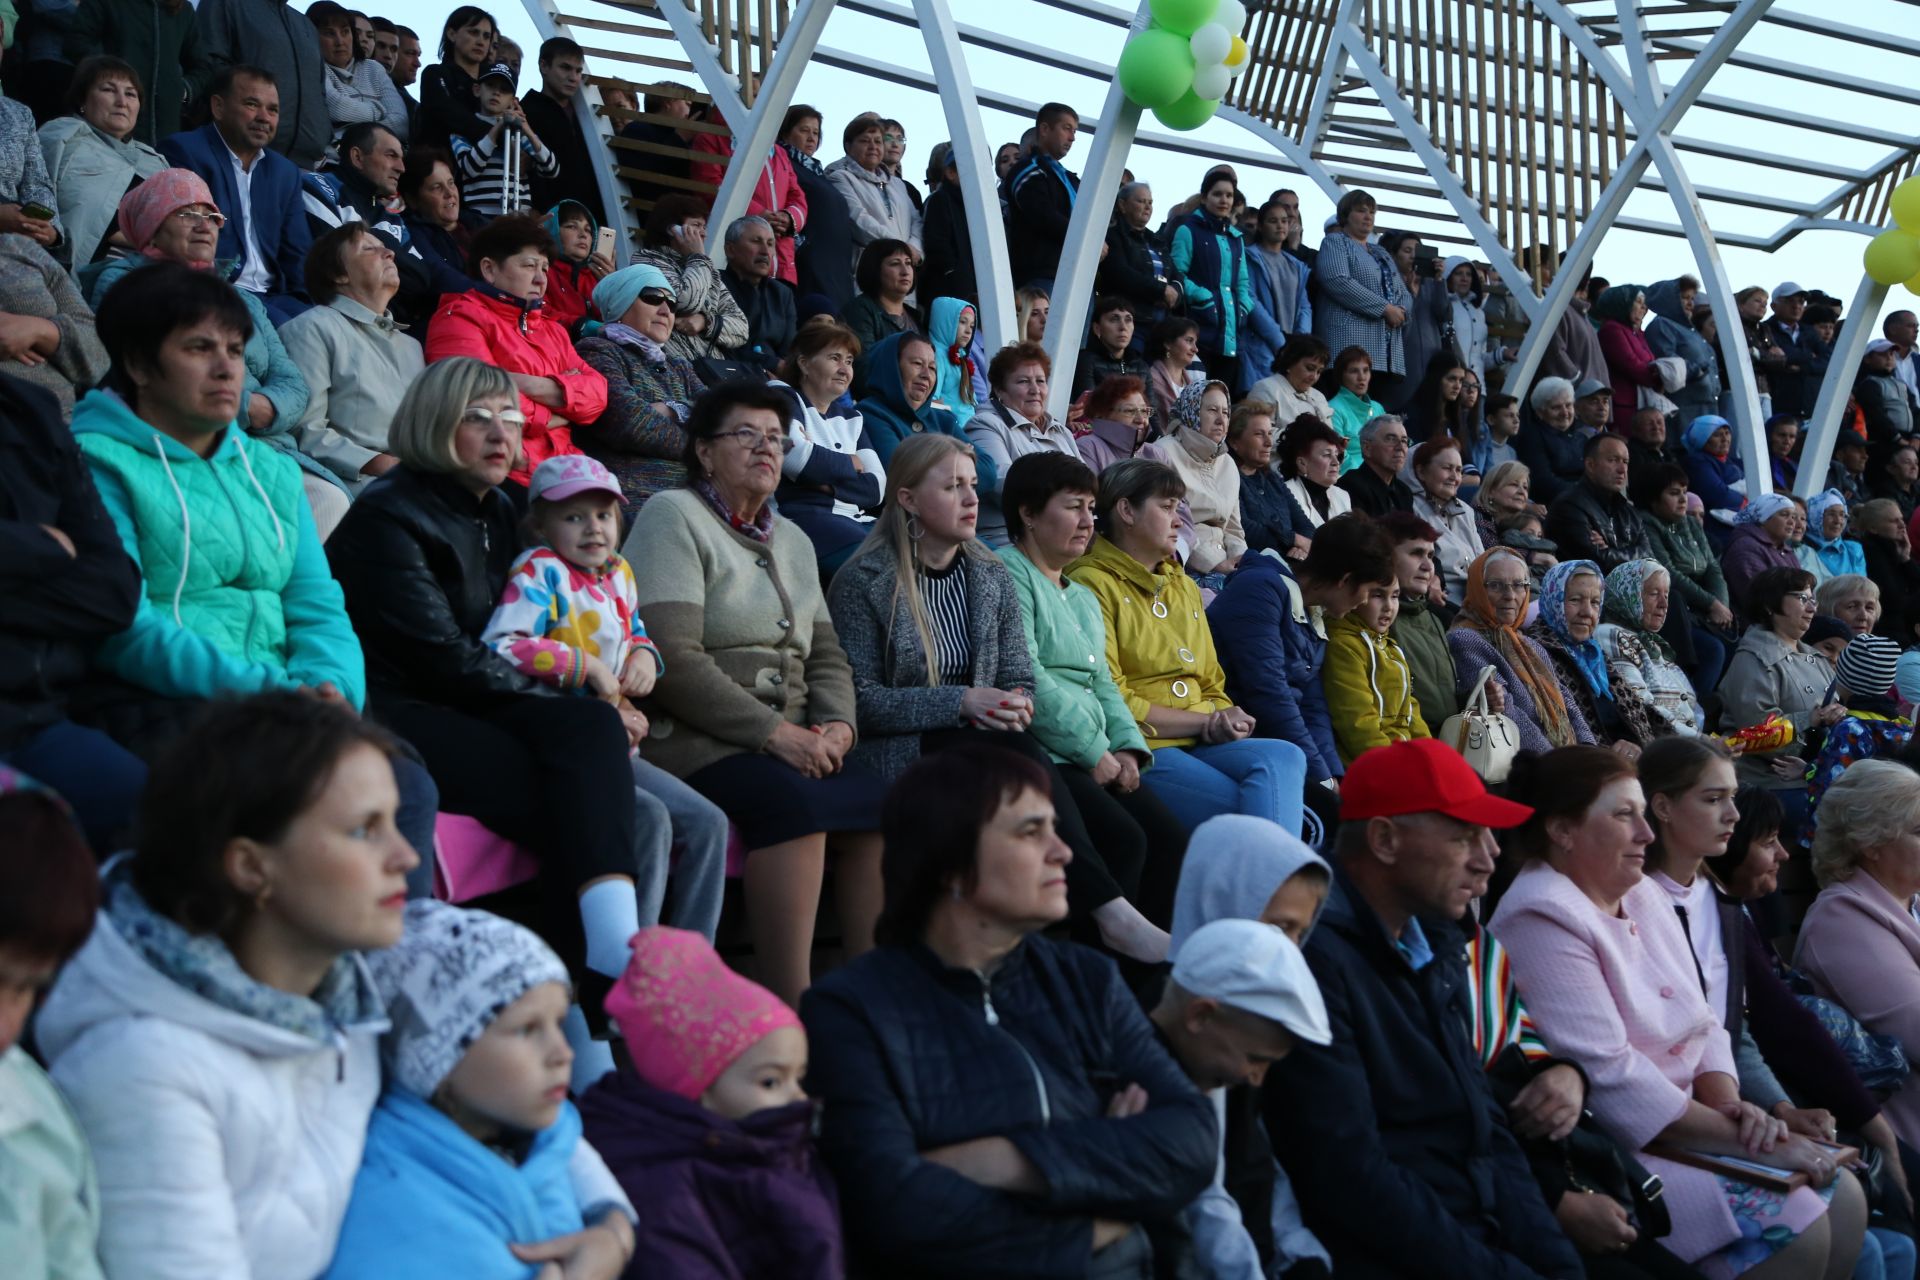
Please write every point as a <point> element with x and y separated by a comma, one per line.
<point>238,597</point>
<point>1211,257</point>
<point>901,378</point>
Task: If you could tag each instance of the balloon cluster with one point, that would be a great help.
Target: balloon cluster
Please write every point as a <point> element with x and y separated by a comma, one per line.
<point>1180,66</point>
<point>1893,256</point>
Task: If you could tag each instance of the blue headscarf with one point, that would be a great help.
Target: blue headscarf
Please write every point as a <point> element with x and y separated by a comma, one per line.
<point>1817,507</point>
<point>613,295</point>
<point>1701,430</point>
<point>1553,616</point>
<point>1764,508</point>
<point>954,385</point>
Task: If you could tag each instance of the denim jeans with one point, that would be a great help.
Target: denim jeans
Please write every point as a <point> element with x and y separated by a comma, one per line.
<point>674,815</point>
<point>1261,777</point>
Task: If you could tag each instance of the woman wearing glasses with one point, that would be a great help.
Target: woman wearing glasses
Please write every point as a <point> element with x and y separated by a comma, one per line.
<point>649,388</point>
<point>1487,634</point>
<point>755,709</point>
<point>1774,669</point>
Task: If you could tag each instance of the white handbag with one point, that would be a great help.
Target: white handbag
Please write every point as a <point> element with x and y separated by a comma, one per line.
<point>1486,740</point>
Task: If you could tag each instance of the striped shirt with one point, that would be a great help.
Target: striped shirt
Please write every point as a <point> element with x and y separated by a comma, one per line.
<point>1499,1019</point>
<point>944,593</point>
<point>482,170</point>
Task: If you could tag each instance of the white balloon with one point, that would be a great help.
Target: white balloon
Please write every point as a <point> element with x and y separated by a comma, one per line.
<point>1211,82</point>
<point>1232,15</point>
<point>1210,45</point>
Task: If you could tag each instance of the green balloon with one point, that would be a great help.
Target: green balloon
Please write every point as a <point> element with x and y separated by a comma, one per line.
<point>1183,17</point>
<point>1892,256</point>
<point>1155,68</point>
<point>1190,112</point>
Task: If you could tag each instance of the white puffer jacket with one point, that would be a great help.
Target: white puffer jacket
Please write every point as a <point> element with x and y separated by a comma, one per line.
<point>226,1146</point>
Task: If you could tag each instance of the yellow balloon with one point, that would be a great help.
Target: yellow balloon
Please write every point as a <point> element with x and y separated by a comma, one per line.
<point>1913,285</point>
<point>1892,256</point>
<point>1237,54</point>
<point>1905,204</point>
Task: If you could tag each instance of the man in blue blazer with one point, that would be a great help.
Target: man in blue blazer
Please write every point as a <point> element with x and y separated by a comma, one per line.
<point>258,189</point>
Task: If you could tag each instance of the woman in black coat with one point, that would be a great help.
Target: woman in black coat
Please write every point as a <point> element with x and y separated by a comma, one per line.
<point>824,247</point>
<point>969,1068</point>
<point>1137,267</point>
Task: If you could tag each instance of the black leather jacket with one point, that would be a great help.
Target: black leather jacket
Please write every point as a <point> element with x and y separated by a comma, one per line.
<point>1581,510</point>
<point>422,562</point>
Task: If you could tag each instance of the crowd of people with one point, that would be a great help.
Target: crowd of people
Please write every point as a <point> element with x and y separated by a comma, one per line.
<point>1313,808</point>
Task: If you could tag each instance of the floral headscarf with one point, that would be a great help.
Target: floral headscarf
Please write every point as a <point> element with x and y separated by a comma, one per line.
<point>1763,508</point>
<point>1553,616</point>
<point>1623,606</point>
<point>1186,409</point>
<point>1517,650</point>
<point>1817,507</point>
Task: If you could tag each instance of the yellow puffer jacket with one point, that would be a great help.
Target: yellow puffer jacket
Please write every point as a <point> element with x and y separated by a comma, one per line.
<point>1369,689</point>
<point>1161,658</point>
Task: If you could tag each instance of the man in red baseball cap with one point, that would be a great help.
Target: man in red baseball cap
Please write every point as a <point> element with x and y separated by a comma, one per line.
<point>1402,1160</point>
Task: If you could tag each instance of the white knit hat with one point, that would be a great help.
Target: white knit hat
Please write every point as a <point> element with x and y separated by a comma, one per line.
<point>446,980</point>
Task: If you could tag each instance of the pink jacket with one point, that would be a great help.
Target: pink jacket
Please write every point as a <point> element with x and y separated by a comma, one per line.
<point>1620,997</point>
<point>776,189</point>
<point>1630,362</point>
<point>1861,947</point>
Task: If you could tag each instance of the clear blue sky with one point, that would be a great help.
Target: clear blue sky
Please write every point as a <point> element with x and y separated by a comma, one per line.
<point>1825,259</point>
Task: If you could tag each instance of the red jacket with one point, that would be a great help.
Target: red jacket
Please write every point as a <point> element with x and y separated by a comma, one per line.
<point>1630,361</point>
<point>519,340</point>
<point>777,190</point>
<point>569,292</point>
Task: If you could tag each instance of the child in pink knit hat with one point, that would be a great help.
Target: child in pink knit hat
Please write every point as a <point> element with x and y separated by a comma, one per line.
<point>711,1126</point>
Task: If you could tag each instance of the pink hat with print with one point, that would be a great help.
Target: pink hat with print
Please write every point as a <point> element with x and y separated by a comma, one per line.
<point>570,475</point>
<point>146,208</point>
<point>684,1015</point>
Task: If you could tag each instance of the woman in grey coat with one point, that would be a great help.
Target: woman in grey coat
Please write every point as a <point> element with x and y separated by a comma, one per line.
<point>1362,301</point>
<point>933,626</point>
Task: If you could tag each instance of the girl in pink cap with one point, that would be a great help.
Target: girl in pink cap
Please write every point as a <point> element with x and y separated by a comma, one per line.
<point>569,617</point>
<point>711,1129</point>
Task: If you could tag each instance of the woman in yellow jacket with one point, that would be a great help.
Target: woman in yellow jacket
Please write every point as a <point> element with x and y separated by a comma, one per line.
<point>1368,683</point>
<point>1161,653</point>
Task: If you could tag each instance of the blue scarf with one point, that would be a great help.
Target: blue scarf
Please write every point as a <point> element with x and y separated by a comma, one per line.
<point>1553,615</point>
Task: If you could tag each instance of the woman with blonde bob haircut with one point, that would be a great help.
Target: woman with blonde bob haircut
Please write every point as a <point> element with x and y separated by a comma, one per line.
<point>1860,942</point>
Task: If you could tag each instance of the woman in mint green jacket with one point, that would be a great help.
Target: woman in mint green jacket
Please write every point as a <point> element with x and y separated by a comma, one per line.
<point>1079,715</point>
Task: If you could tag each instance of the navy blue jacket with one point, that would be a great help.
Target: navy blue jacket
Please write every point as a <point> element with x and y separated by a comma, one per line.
<point>909,1055</point>
<point>1556,459</point>
<point>1402,1159</point>
<point>437,249</point>
<point>1272,660</point>
<point>1268,513</point>
<point>277,212</point>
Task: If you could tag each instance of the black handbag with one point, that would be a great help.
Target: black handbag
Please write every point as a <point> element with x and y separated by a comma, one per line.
<point>1598,1164</point>
<point>714,370</point>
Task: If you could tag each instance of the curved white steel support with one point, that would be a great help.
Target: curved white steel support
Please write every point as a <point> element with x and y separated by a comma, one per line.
<point>1086,232</point>
<point>974,161</point>
<point>1824,427</point>
<point>754,136</point>
<point>587,106</point>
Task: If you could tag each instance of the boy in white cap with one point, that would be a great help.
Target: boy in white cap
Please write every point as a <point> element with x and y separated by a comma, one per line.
<point>1240,997</point>
<point>569,616</point>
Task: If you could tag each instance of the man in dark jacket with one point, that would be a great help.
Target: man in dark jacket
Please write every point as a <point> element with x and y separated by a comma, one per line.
<point>1041,196</point>
<point>277,38</point>
<point>1647,446</point>
<point>361,189</point>
<point>1796,384</point>
<point>767,302</point>
<point>1137,267</point>
<point>1375,485</point>
<point>1402,1160</point>
<point>947,269</point>
<point>66,584</point>
<point>1593,520</point>
<point>553,113</point>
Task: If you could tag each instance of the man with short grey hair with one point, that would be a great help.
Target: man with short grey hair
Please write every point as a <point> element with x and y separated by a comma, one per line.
<point>766,300</point>
<point>1375,485</point>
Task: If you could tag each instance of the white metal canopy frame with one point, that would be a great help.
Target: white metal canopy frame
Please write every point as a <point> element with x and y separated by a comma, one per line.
<point>1522,128</point>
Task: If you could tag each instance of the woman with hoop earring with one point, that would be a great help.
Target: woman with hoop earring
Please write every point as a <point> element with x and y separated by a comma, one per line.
<point>931,623</point>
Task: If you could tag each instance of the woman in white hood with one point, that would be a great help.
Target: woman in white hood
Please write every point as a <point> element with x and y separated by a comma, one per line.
<point>1466,314</point>
<point>1246,868</point>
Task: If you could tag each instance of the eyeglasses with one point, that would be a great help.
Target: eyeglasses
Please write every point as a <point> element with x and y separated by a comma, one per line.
<point>1507,588</point>
<point>655,297</point>
<point>478,415</point>
<point>216,219</point>
<point>1134,411</point>
<point>1804,597</point>
<point>753,441</point>
<point>1394,442</point>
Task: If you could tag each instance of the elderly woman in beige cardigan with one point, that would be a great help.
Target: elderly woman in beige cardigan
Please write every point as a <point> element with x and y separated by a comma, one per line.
<point>755,705</point>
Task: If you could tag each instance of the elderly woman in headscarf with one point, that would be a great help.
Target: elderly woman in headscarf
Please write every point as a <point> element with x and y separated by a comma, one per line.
<point>1646,674</point>
<point>1826,539</point>
<point>1196,449</point>
<point>1245,868</point>
<point>1620,312</point>
<point>1487,634</point>
<point>171,217</point>
<point>1760,535</point>
<point>1712,471</point>
<point>650,388</point>
<point>1571,598</point>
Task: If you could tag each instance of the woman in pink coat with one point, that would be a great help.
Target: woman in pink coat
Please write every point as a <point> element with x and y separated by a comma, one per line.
<point>1604,968</point>
<point>1619,312</point>
<point>1860,943</point>
<point>777,196</point>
